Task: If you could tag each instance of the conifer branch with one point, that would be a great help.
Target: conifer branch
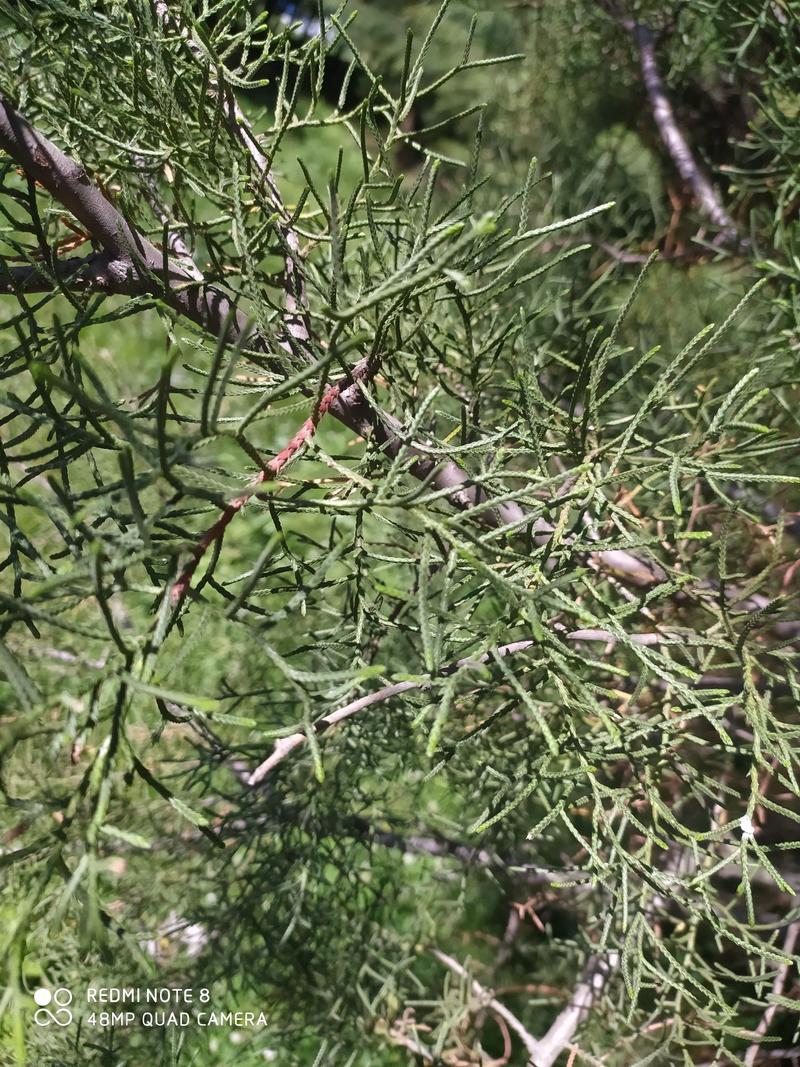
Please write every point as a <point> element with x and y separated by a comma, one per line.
<point>206,305</point>
<point>645,729</point>
<point>134,265</point>
<point>284,746</point>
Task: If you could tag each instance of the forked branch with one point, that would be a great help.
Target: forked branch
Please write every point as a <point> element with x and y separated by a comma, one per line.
<point>486,998</point>
<point>139,267</point>
<point>271,470</point>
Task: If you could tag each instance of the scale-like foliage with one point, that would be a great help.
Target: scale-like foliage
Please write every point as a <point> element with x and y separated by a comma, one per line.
<point>523,580</point>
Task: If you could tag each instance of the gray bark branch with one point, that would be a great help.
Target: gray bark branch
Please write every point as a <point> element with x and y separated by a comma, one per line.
<point>284,746</point>
<point>586,993</point>
<point>101,271</point>
<point>206,305</point>
<point>669,130</point>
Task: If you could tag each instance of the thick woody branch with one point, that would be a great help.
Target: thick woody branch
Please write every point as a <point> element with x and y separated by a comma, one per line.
<point>671,134</point>
<point>204,304</point>
<point>101,271</point>
<point>585,995</point>
<point>67,181</point>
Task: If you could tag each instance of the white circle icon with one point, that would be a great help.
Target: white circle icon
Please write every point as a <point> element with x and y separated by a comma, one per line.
<point>60,1015</point>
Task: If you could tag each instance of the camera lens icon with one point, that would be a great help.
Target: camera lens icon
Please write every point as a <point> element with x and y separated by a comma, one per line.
<point>60,1015</point>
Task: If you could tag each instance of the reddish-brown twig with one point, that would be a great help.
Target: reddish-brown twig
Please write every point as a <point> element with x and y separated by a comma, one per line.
<point>270,471</point>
